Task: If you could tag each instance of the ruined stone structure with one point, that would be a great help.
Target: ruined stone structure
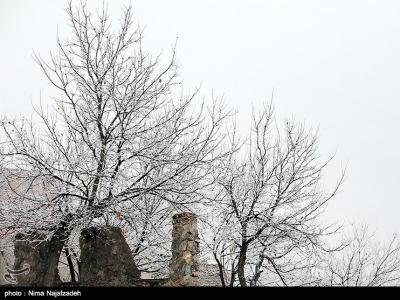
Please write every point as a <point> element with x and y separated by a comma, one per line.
<point>106,259</point>
<point>184,267</point>
<point>41,258</point>
<point>3,266</point>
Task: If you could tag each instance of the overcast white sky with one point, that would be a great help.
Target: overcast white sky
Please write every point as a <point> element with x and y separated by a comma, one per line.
<point>333,64</point>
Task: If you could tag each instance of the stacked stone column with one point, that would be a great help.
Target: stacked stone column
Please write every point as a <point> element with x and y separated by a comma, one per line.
<point>184,266</point>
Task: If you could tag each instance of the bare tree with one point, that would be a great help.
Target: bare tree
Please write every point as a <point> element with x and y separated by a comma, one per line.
<point>122,144</point>
<point>266,228</point>
<point>363,262</point>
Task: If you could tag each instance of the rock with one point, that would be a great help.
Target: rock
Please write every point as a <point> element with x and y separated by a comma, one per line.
<point>106,258</point>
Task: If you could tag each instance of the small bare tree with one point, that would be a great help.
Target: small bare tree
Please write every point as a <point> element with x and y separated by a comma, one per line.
<point>363,262</point>
<point>266,228</point>
<point>123,144</point>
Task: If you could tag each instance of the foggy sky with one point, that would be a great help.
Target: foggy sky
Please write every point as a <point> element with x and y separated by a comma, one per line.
<point>333,64</point>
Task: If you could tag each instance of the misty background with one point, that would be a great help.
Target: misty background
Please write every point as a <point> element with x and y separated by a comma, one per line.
<point>333,64</point>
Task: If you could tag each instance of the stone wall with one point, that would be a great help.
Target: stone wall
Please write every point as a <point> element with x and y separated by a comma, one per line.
<point>106,259</point>
<point>40,256</point>
<point>2,269</point>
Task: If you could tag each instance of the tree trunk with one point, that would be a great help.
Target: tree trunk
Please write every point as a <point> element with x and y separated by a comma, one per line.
<point>70,265</point>
<point>242,264</point>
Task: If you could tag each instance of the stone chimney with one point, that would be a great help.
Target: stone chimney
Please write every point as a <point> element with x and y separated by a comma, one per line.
<point>184,266</point>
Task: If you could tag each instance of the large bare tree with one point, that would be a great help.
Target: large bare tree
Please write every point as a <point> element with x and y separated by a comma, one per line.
<point>122,143</point>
